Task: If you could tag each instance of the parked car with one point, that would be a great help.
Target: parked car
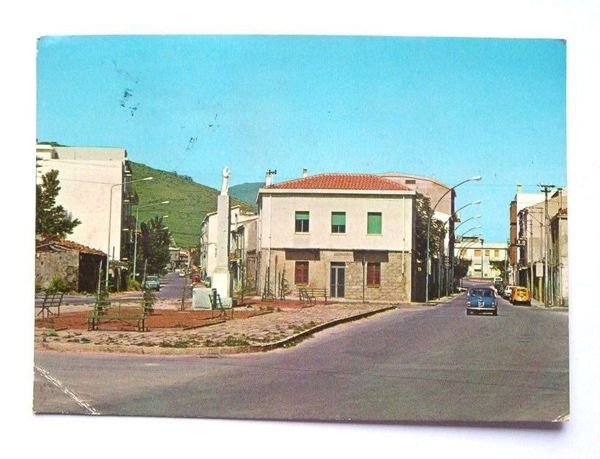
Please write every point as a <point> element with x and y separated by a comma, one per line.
<point>520,295</point>
<point>508,292</point>
<point>152,283</point>
<point>482,300</point>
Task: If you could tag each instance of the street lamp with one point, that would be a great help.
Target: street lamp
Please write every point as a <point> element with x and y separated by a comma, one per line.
<point>481,258</point>
<point>137,211</point>
<point>461,208</point>
<point>470,229</point>
<point>472,179</point>
<point>145,179</point>
<point>463,222</point>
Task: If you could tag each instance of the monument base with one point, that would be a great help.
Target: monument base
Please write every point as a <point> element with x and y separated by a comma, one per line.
<point>221,280</point>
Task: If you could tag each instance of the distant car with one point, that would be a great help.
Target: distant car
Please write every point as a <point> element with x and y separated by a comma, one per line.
<point>482,300</point>
<point>182,273</point>
<point>152,283</point>
<point>520,295</point>
<point>196,278</point>
<point>508,291</point>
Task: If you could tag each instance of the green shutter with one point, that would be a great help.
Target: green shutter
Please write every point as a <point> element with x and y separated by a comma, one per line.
<point>338,218</point>
<point>374,223</point>
<point>301,215</point>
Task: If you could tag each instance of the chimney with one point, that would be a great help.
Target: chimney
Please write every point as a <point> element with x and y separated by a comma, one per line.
<point>304,172</point>
<point>269,177</point>
<point>519,188</point>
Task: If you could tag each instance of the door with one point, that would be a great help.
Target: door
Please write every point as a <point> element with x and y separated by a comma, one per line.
<point>337,279</point>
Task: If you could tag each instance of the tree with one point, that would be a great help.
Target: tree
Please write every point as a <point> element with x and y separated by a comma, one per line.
<point>51,218</point>
<point>155,241</point>
<point>437,231</point>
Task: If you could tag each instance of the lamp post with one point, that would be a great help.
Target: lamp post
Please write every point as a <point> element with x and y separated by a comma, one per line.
<point>481,258</point>
<point>137,211</point>
<point>145,179</point>
<point>472,179</point>
<point>465,245</point>
<point>451,240</point>
<point>463,222</point>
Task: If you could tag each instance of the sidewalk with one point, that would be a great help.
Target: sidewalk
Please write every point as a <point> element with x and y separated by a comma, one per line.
<point>279,328</point>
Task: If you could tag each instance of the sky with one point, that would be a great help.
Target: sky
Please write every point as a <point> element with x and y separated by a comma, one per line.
<point>446,108</point>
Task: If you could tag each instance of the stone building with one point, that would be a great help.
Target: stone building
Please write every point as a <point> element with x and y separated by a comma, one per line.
<point>75,265</point>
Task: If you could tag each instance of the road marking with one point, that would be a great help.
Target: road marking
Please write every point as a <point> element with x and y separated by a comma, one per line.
<point>66,391</point>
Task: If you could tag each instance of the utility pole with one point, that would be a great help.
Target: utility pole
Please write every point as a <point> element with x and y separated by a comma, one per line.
<point>546,189</point>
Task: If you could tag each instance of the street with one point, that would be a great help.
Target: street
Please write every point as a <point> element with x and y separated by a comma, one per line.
<point>171,288</point>
<point>434,364</point>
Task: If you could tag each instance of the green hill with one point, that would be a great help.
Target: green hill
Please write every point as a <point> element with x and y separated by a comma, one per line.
<point>189,202</point>
<point>246,192</point>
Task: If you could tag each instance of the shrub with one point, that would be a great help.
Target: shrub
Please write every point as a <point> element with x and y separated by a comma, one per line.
<point>58,284</point>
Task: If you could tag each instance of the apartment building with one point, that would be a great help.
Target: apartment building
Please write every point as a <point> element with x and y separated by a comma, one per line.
<point>515,254</point>
<point>351,235</point>
<point>95,188</point>
<point>485,260</point>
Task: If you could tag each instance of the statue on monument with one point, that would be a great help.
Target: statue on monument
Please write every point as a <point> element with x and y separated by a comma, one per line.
<point>225,184</point>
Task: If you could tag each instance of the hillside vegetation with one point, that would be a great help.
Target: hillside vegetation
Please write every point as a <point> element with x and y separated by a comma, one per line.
<point>246,192</point>
<point>189,202</point>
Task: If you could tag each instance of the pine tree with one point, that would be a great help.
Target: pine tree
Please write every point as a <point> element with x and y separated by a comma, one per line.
<point>51,218</point>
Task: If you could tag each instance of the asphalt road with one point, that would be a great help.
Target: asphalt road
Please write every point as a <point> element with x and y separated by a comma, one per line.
<point>171,288</point>
<point>434,365</point>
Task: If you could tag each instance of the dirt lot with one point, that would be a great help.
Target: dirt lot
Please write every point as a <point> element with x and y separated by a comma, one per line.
<point>253,327</point>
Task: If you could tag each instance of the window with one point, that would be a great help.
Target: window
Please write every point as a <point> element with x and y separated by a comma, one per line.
<point>410,182</point>
<point>301,272</point>
<point>373,274</point>
<point>496,253</point>
<point>338,222</point>
<point>487,252</point>
<point>477,253</point>
<point>374,223</point>
<point>302,222</point>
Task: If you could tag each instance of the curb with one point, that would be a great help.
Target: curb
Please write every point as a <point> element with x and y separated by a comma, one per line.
<point>302,335</point>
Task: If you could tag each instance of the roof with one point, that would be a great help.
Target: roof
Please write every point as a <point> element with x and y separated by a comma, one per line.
<point>341,182</point>
<point>52,244</point>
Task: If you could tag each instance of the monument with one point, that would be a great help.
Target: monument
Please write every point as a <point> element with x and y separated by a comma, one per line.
<point>221,278</point>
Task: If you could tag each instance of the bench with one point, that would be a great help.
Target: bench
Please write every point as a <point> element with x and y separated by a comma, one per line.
<point>102,313</point>
<point>51,300</point>
<point>310,295</point>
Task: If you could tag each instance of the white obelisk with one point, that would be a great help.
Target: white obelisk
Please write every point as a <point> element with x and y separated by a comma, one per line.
<point>221,279</point>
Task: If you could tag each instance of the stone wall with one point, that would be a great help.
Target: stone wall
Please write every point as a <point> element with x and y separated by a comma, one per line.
<point>395,283</point>
<point>63,265</point>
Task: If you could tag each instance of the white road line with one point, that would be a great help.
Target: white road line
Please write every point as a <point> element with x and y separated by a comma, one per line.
<point>66,391</point>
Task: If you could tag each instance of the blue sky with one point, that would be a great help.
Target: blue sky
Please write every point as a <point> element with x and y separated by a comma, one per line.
<point>447,108</point>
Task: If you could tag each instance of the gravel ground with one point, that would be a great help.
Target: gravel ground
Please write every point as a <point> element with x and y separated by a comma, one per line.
<point>252,334</point>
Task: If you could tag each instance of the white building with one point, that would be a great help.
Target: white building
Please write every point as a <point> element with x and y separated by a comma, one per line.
<point>486,260</point>
<point>350,235</point>
<point>91,181</point>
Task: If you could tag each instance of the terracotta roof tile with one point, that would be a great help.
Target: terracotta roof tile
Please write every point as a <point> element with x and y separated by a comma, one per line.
<point>341,182</point>
<point>48,241</point>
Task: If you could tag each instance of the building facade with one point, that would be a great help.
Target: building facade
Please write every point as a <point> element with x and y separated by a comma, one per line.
<point>242,249</point>
<point>484,260</point>
<point>350,235</point>
<point>96,189</point>
<point>542,249</point>
<point>515,252</point>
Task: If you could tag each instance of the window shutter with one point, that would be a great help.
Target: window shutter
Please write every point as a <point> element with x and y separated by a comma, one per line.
<point>374,223</point>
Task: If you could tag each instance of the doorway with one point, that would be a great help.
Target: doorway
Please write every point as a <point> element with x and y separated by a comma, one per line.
<point>337,279</point>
